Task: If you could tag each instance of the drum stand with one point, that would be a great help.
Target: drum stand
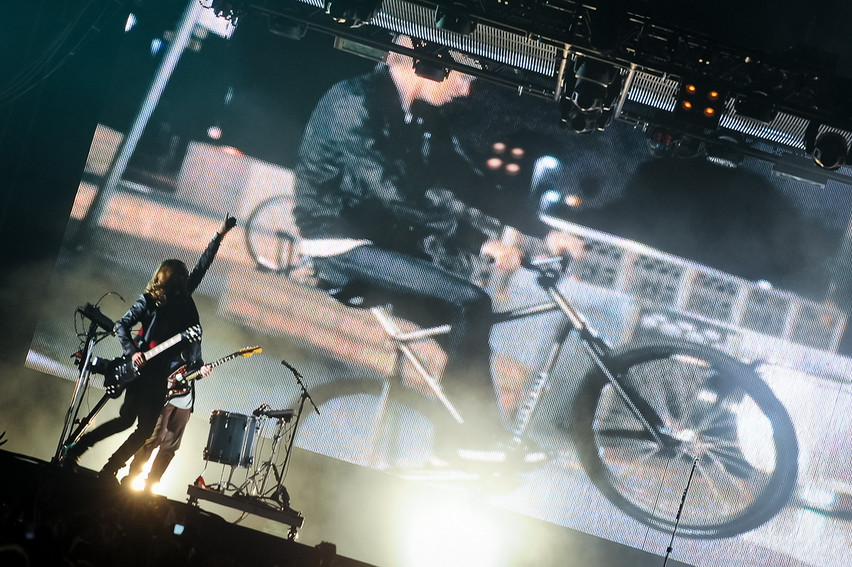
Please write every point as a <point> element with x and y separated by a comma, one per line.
<point>222,486</point>
<point>255,485</point>
<point>253,496</point>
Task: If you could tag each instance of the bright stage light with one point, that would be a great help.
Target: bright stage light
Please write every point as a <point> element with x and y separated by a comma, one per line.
<point>551,196</point>
<point>451,532</point>
<point>138,483</point>
<point>494,163</point>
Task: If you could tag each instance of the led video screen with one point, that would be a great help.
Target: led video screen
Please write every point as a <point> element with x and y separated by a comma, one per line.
<point>697,336</point>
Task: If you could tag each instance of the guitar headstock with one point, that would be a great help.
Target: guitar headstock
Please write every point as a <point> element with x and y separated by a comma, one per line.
<point>192,334</point>
<point>248,351</point>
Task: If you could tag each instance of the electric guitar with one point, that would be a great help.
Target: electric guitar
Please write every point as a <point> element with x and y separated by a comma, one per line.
<point>181,385</point>
<point>121,371</point>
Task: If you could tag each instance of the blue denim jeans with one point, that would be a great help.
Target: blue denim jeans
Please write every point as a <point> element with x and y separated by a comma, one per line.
<point>428,295</point>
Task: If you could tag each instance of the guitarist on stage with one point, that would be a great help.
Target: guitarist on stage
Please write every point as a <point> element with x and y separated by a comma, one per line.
<point>167,434</point>
<point>164,309</point>
<point>173,419</point>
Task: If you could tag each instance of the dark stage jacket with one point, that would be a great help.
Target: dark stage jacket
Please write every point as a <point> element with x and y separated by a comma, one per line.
<point>159,324</point>
<point>366,172</point>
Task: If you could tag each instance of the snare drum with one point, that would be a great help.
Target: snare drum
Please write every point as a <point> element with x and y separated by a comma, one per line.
<point>231,439</point>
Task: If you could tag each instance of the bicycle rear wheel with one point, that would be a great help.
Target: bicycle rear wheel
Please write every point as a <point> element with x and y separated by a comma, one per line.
<point>361,422</point>
<point>707,409</point>
<point>272,236</point>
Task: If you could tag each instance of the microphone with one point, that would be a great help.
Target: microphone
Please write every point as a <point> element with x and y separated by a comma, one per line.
<point>260,410</point>
<point>93,313</point>
<point>305,395</point>
<point>293,370</point>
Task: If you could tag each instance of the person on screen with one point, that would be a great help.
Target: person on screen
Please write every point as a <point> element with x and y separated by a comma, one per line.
<point>375,205</point>
<point>163,310</point>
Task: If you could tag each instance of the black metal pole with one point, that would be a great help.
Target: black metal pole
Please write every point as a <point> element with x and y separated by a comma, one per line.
<point>679,510</point>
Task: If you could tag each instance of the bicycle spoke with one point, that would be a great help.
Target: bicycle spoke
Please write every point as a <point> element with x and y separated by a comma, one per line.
<point>717,500</point>
<point>708,410</point>
<point>745,496</point>
<point>675,394</point>
<point>733,462</point>
<point>632,467</point>
<point>618,433</point>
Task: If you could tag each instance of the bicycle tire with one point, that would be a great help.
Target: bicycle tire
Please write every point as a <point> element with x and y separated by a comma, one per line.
<point>272,236</point>
<point>743,476</point>
<point>353,426</point>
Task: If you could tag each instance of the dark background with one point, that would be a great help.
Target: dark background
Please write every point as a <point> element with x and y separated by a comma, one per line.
<point>47,120</point>
<point>260,89</point>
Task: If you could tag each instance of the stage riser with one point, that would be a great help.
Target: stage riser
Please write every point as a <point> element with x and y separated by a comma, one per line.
<point>58,516</point>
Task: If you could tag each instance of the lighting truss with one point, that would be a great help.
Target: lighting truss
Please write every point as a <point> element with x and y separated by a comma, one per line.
<point>530,46</point>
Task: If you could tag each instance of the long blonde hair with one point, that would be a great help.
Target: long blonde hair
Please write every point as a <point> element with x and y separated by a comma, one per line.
<point>168,281</point>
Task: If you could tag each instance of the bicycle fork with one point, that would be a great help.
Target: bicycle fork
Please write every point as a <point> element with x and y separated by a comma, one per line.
<point>596,348</point>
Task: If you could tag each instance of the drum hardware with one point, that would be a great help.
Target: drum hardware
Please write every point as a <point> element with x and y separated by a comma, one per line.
<point>256,484</point>
<point>231,442</point>
<point>264,410</point>
<point>285,415</point>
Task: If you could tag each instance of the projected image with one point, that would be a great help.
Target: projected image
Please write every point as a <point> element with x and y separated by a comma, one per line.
<point>474,296</point>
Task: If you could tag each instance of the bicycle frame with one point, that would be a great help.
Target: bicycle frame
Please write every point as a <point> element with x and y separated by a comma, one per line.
<point>595,346</point>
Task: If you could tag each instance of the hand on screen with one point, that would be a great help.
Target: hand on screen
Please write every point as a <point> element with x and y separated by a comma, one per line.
<point>560,242</point>
<point>229,223</point>
<point>506,257</point>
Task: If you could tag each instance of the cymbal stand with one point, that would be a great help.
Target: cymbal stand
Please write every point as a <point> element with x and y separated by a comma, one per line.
<point>261,473</point>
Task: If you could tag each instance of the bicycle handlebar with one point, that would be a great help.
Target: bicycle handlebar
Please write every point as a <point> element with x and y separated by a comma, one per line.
<point>550,269</point>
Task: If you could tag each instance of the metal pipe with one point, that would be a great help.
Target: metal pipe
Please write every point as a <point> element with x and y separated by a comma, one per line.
<point>109,187</point>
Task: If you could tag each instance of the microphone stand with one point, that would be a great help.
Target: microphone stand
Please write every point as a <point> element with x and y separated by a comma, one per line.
<point>84,362</point>
<point>304,395</point>
<point>280,489</point>
<point>679,510</point>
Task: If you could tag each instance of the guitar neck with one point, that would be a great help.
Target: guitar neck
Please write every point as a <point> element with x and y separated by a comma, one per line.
<point>196,373</point>
<point>163,346</point>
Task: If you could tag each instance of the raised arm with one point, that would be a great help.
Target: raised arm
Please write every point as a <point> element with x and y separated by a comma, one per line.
<point>206,259</point>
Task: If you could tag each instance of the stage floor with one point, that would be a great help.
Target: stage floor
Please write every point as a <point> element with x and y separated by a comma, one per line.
<point>50,516</point>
